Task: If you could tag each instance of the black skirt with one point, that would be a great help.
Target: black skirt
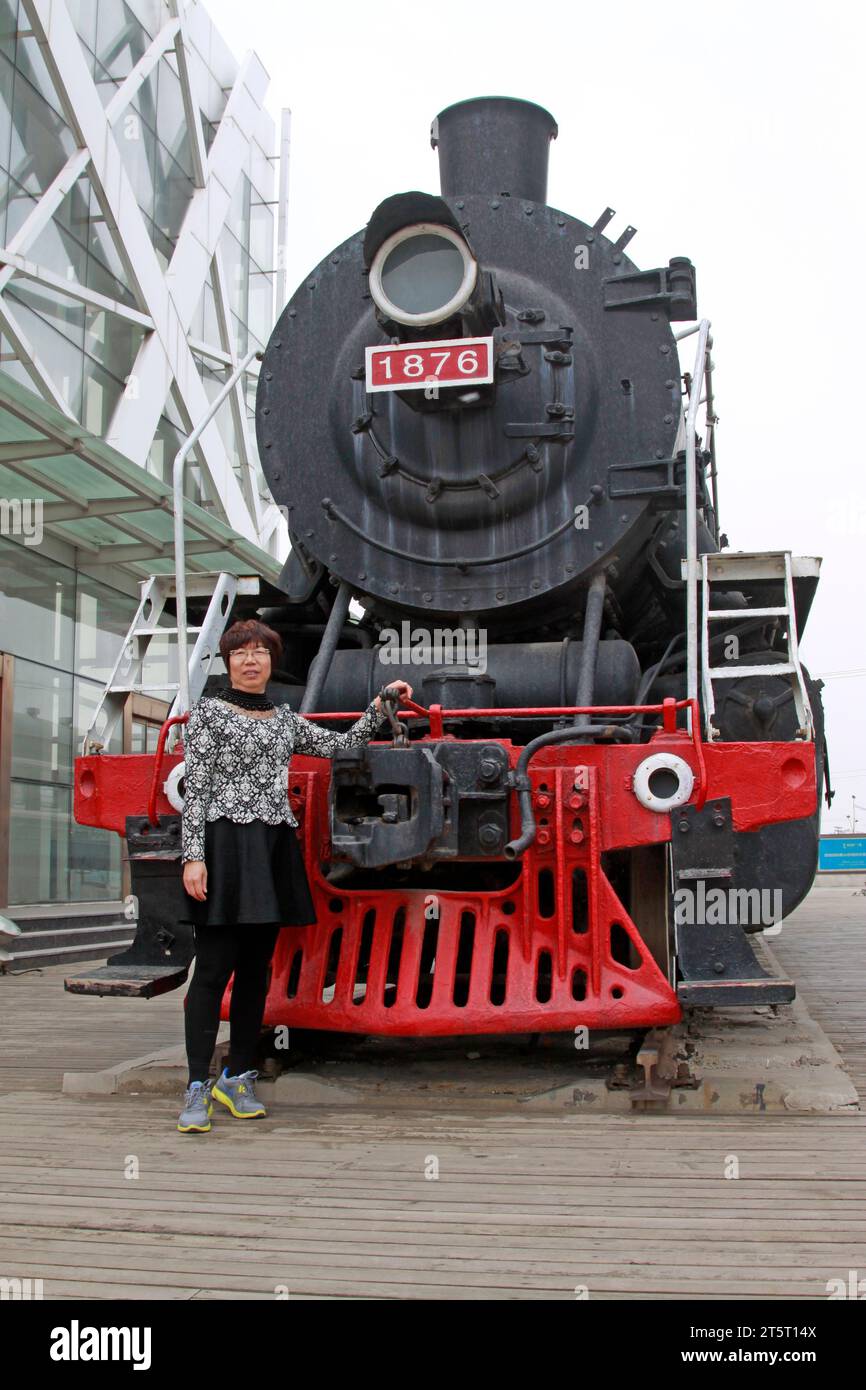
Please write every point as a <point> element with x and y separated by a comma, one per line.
<point>255,873</point>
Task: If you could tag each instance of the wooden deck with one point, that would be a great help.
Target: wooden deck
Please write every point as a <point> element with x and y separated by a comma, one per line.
<point>336,1204</point>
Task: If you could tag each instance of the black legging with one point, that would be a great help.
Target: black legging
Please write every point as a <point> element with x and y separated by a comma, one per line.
<point>245,949</point>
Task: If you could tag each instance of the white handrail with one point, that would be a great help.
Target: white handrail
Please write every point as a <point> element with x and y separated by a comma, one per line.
<point>179,542</point>
<point>687,332</point>
<point>703,331</point>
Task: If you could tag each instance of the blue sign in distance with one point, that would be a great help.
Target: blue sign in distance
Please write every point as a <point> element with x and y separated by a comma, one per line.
<point>842,852</point>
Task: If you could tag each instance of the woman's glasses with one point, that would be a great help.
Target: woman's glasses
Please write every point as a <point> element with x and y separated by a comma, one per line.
<point>258,652</point>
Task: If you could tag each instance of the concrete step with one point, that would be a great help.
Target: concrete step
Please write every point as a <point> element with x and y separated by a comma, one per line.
<point>53,936</point>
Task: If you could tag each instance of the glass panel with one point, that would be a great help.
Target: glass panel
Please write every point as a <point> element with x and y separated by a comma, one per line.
<point>172,194</point>
<point>205,325</point>
<point>61,358</point>
<point>60,311</point>
<point>41,723</point>
<point>215,102</point>
<point>105,86</point>
<point>10,365</point>
<point>77,228</point>
<point>237,270</point>
<point>242,336</point>
<point>106,282</point>
<point>261,305</point>
<point>113,341</point>
<point>159,668</point>
<point>422,273</point>
<point>166,443</point>
<point>30,65</point>
<point>8,27</point>
<point>149,13</point>
<point>145,736</point>
<point>100,394</point>
<point>195,486</point>
<point>209,129</point>
<point>94,865</point>
<point>83,15</point>
<point>40,822</point>
<point>104,616</point>
<point>171,117</point>
<point>86,697</point>
<point>162,246</point>
<point>262,172</point>
<point>57,249</point>
<point>261,234</point>
<point>6,76</point>
<point>238,220</point>
<point>101,247</point>
<point>137,145</point>
<point>37,606</point>
<point>16,204</point>
<point>173,415</point>
<point>213,383</point>
<point>41,142</point>
<point>120,38</point>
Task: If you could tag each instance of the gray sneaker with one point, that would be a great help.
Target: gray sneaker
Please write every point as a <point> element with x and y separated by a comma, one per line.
<point>197,1110</point>
<point>238,1095</point>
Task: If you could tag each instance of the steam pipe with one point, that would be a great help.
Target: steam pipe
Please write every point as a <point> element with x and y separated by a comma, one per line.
<point>322,663</point>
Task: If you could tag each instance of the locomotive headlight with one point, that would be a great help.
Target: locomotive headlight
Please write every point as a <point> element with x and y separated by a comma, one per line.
<point>422,274</point>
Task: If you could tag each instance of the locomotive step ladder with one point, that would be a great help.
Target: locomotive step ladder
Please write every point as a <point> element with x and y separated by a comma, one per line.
<point>127,677</point>
<point>758,572</point>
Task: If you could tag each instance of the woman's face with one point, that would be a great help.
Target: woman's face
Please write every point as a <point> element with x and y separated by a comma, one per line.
<point>250,667</point>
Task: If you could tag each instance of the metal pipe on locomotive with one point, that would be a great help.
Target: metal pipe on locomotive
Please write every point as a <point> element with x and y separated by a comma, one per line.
<point>474,413</point>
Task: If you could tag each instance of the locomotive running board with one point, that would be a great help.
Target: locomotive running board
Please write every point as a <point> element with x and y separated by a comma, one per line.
<point>127,981</point>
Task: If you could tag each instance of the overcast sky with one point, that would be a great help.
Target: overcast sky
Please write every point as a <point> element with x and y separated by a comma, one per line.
<point>731,133</point>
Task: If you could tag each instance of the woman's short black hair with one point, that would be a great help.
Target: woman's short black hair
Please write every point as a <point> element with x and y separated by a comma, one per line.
<point>251,630</point>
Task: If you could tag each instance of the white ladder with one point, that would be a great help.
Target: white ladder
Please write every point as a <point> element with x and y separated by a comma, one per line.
<point>126,678</point>
<point>775,566</point>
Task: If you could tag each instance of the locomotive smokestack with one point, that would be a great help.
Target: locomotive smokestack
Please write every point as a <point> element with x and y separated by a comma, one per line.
<point>494,145</point>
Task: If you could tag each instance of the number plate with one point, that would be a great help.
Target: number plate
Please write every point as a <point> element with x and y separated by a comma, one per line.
<point>415,366</point>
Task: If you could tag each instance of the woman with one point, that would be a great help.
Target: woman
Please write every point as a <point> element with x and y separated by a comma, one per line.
<point>243,873</point>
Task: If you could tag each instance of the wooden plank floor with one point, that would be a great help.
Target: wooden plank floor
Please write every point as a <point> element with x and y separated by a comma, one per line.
<point>105,1199</point>
<point>822,946</point>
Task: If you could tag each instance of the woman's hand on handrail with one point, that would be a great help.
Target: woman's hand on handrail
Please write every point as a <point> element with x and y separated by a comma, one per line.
<point>403,689</point>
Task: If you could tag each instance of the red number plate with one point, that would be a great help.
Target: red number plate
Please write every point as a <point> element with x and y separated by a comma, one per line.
<point>416,366</point>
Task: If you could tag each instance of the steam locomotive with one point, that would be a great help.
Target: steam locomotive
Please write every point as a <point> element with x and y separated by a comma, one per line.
<point>502,487</point>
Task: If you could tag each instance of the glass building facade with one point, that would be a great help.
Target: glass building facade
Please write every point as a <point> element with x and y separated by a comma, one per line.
<point>79,323</point>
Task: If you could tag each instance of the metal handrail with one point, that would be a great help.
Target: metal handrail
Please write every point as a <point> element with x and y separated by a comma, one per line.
<point>179,541</point>
<point>157,765</point>
<point>704,341</point>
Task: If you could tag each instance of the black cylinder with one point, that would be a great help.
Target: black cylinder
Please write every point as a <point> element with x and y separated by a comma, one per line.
<point>494,145</point>
<point>523,673</point>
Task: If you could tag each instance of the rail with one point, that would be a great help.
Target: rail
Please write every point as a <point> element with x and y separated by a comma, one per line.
<point>668,709</point>
<point>179,539</point>
<point>157,765</point>
<point>705,342</point>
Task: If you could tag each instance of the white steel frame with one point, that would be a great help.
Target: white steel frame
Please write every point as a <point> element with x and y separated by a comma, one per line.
<point>166,301</point>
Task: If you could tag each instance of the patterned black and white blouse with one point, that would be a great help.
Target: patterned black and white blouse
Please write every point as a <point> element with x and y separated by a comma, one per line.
<point>236,765</point>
